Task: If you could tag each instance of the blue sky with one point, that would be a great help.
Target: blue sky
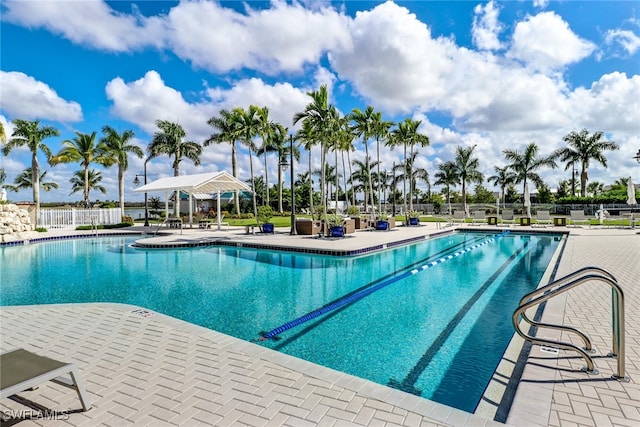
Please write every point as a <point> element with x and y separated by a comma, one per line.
<point>493,74</point>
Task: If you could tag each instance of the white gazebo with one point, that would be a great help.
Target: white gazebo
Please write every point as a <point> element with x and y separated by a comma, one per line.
<point>214,182</point>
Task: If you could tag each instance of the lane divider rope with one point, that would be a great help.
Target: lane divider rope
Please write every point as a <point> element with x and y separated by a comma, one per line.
<point>351,298</point>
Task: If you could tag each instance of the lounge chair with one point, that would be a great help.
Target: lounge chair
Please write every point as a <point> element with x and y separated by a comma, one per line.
<point>543,218</point>
<point>507,217</point>
<point>458,216</point>
<point>578,217</point>
<point>21,370</point>
<point>479,216</point>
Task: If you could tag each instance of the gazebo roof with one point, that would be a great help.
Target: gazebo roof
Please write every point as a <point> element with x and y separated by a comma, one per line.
<point>200,183</point>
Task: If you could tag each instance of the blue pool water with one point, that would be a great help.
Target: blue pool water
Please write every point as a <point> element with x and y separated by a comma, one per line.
<point>438,333</point>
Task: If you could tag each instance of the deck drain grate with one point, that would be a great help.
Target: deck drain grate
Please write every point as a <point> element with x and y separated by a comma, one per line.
<point>142,313</point>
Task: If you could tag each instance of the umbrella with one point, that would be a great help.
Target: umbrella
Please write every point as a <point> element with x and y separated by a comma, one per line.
<point>498,207</point>
<point>631,193</point>
<point>527,199</point>
<point>3,195</point>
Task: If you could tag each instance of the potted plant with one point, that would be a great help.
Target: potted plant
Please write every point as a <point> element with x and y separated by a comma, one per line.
<point>383,222</point>
<point>265,213</point>
<point>334,223</point>
<point>414,218</point>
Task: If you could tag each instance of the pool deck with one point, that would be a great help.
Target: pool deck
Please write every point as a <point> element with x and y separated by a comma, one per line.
<point>145,368</point>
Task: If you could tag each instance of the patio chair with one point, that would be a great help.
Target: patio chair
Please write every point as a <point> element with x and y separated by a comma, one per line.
<point>479,216</point>
<point>578,217</point>
<point>22,370</point>
<point>543,218</point>
<point>458,216</point>
<point>507,217</point>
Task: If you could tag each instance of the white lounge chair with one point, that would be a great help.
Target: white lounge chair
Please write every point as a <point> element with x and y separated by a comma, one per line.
<point>578,217</point>
<point>507,217</point>
<point>21,370</point>
<point>543,218</point>
<point>479,216</point>
<point>458,216</point>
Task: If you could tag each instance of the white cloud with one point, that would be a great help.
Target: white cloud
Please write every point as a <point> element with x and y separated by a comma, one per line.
<point>629,41</point>
<point>486,27</point>
<point>27,98</point>
<point>221,39</point>
<point>612,103</point>
<point>88,23</point>
<point>393,60</point>
<point>545,42</point>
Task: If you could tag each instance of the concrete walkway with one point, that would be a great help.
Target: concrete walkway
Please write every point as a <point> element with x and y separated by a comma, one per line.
<point>145,368</point>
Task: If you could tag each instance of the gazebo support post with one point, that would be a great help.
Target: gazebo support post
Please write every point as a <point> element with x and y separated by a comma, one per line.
<point>218,204</point>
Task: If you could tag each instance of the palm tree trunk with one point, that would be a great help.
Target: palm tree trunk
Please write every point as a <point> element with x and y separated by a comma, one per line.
<point>344,179</point>
<point>353,193</point>
<point>121,188</point>
<point>404,185</point>
<point>253,185</point>
<point>378,181</point>
<point>266,180</point>
<point>366,146</point>
<point>280,188</point>
<point>323,183</point>
<point>310,186</point>
<point>86,186</point>
<point>176,172</point>
<point>464,197</point>
<point>337,179</point>
<point>35,181</point>
<point>234,169</point>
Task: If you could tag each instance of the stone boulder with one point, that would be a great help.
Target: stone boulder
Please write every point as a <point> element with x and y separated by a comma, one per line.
<point>14,222</point>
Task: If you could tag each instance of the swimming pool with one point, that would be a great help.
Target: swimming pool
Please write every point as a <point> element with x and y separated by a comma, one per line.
<point>438,333</point>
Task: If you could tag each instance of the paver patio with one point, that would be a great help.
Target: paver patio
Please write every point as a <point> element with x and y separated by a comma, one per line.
<point>157,370</point>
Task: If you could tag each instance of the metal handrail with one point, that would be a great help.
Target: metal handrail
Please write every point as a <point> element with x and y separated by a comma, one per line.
<point>587,342</point>
<point>562,285</point>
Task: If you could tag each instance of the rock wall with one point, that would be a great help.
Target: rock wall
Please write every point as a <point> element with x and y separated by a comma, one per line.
<point>14,222</point>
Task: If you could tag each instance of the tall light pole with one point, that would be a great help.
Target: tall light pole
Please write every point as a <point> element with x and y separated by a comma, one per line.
<point>637,156</point>
<point>136,182</point>
<point>293,190</point>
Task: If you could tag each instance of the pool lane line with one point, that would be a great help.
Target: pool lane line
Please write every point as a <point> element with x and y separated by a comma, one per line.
<point>353,297</point>
<point>409,381</point>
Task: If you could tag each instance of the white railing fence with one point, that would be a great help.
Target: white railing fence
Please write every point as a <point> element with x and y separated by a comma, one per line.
<point>69,219</point>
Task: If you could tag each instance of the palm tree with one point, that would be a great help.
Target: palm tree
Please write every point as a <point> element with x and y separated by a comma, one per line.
<point>23,181</point>
<point>344,143</point>
<point>169,140</point>
<point>266,127</point>
<point>31,135</point>
<point>595,188</point>
<point>407,135</point>
<point>83,181</point>
<point>467,170</point>
<point>360,178</point>
<point>525,164</point>
<point>582,148</point>
<point>380,132</point>
<point>364,128</point>
<point>502,178</point>
<point>247,123</point>
<point>447,176</point>
<point>120,147</point>
<point>84,149</point>
<point>307,139</point>
<point>225,124</point>
<point>320,115</point>
<point>407,172</point>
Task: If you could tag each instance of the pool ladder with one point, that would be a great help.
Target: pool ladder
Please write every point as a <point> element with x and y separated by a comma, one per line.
<point>557,287</point>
